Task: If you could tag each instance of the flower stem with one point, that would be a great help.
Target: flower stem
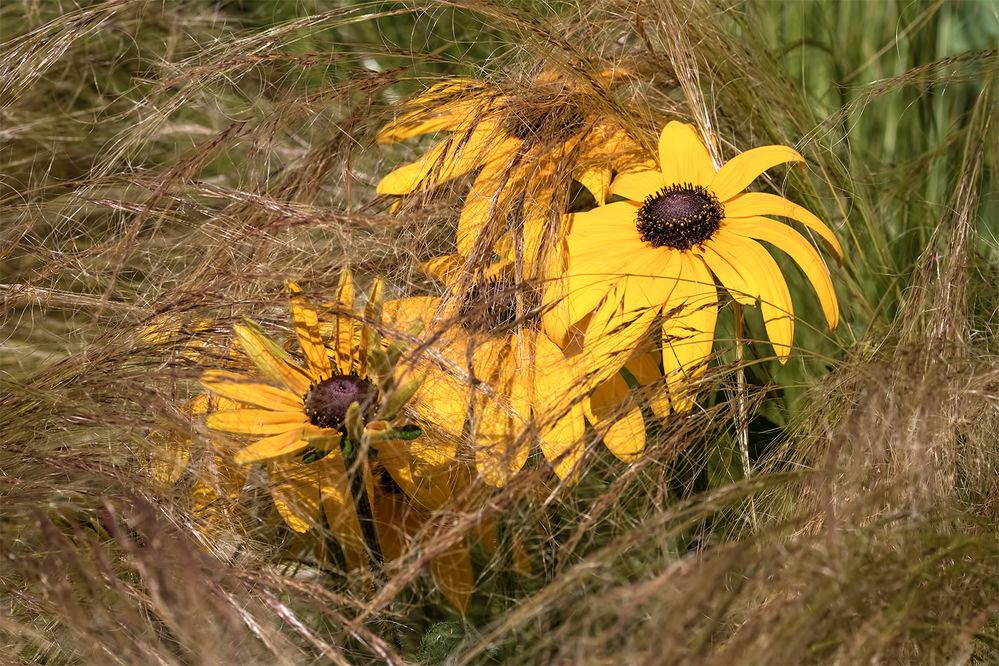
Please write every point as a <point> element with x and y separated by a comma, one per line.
<point>742,402</point>
<point>362,505</point>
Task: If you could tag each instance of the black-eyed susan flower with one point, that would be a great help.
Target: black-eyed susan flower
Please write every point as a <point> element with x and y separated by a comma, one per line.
<point>313,419</point>
<point>681,227</point>
<point>527,147</point>
<point>497,365</point>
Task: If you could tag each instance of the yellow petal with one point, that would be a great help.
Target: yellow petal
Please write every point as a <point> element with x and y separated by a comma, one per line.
<point>497,423</point>
<point>637,185</point>
<point>609,340</point>
<point>753,204</point>
<point>558,407</point>
<point>626,437</point>
<point>644,367</point>
<point>734,274</point>
<point>682,155</point>
<point>272,361</point>
<point>295,490</point>
<point>256,421</point>
<point>306,323</point>
<point>343,344</point>
<point>794,244</point>
<point>272,447</point>
<point>688,331</point>
<point>486,202</point>
<point>775,299</point>
<point>431,486</point>
<point>597,182</point>
<point>446,105</point>
<point>452,157</point>
<point>452,571</point>
<point>338,505</point>
<point>170,453</point>
<point>238,387</point>
<point>736,174</point>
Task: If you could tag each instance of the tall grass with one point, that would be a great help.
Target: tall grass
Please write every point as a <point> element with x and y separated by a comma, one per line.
<point>179,161</point>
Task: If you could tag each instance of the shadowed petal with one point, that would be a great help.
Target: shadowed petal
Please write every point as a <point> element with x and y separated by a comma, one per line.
<point>688,331</point>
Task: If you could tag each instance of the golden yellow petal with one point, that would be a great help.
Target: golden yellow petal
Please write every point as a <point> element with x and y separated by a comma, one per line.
<point>272,361</point>
<point>608,341</point>
<point>306,322</point>
<point>343,343</point>
<point>170,452</point>
<point>775,299</point>
<point>338,505</point>
<point>295,490</point>
<point>597,182</point>
<point>753,204</point>
<point>735,275</point>
<point>452,157</point>
<point>558,395</point>
<point>637,185</point>
<point>430,485</point>
<point>486,202</point>
<point>446,105</point>
<point>242,389</point>
<point>736,174</point>
<point>452,571</point>
<point>794,244</point>
<point>688,331</point>
<point>498,416</point>
<point>443,400</point>
<point>272,447</point>
<point>682,155</point>
<point>626,437</point>
<point>644,367</point>
<point>256,421</point>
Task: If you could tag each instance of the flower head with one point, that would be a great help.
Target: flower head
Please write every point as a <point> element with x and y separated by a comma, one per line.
<point>527,147</point>
<point>681,227</point>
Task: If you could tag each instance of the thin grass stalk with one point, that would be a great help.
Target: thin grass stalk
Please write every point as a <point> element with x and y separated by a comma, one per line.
<point>742,403</point>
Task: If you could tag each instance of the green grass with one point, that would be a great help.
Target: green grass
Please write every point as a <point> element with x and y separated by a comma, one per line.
<point>184,159</point>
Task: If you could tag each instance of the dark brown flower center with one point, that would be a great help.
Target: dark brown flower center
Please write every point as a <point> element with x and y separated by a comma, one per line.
<point>490,306</point>
<point>326,403</point>
<point>544,120</point>
<point>679,216</point>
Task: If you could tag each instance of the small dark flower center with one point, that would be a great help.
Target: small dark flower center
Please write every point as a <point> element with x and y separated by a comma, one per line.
<point>326,403</point>
<point>544,120</point>
<point>490,306</point>
<point>679,216</point>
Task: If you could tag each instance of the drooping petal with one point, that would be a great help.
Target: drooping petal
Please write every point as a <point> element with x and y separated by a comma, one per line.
<point>498,415</point>
<point>452,571</point>
<point>614,413</point>
<point>272,361</point>
<point>257,421</point>
<point>295,489</point>
<point>338,505</point>
<point>683,157</point>
<point>597,182</point>
<point>306,322</point>
<point>238,387</point>
<point>794,244</point>
<point>558,406</point>
<point>736,174</point>
<point>637,185</point>
<point>431,486</point>
<point>775,299</point>
<point>688,331</point>
<point>753,204</point>
<point>626,437</point>
<point>733,274</point>
<point>486,203</point>
<point>275,446</point>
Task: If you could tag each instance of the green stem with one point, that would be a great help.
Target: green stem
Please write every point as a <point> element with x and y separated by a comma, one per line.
<point>362,506</point>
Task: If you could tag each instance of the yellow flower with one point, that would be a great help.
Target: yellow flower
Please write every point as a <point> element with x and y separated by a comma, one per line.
<point>681,227</point>
<point>300,412</point>
<point>497,365</point>
<point>526,145</point>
